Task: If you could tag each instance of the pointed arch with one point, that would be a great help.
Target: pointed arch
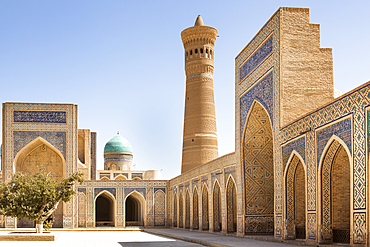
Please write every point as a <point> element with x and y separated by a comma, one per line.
<point>159,208</point>
<point>135,213</point>
<point>205,208</point>
<point>40,156</point>
<point>231,204</point>
<point>175,210</point>
<point>195,209</point>
<point>181,210</point>
<point>258,171</point>
<point>187,209</point>
<point>295,198</point>
<point>105,209</point>
<point>217,210</point>
<point>335,172</point>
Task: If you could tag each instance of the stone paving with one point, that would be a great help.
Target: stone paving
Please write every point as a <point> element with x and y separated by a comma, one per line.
<point>157,237</point>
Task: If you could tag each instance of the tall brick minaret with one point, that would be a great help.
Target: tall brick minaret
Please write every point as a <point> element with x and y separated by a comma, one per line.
<point>200,134</point>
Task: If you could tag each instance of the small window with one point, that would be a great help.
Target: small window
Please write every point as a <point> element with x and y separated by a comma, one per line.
<point>201,50</point>
<point>191,52</point>
<point>207,51</point>
<point>210,52</point>
<point>196,51</point>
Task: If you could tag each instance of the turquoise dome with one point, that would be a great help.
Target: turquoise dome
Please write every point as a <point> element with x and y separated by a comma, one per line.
<point>118,144</point>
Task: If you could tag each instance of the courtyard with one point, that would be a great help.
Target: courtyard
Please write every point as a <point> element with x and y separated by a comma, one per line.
<point>117,238</point>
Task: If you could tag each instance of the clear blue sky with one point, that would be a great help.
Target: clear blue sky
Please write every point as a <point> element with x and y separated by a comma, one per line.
<point>122,62</point>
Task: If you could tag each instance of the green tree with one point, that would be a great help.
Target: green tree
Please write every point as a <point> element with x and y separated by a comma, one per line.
<point>36,196</point>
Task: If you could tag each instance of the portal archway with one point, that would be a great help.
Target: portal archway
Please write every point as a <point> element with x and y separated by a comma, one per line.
<point>335,176</point>
<point>134,209</point>
<point>104,209</point>
<point>41,156</point>
<point>258,166</point>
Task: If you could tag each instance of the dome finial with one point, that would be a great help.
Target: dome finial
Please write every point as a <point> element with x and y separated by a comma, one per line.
<point>199,21</point>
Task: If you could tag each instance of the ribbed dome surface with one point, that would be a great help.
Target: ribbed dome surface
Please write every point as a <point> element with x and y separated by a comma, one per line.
<point>118,144</point>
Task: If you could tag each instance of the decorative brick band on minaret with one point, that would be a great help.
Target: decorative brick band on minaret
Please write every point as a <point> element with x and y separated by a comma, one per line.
<point>200,134</point>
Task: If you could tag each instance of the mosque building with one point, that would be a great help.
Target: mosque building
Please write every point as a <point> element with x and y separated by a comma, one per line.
<point>299,170</point>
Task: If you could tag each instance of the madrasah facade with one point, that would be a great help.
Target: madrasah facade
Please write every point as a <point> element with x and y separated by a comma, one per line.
<point>299,170</point>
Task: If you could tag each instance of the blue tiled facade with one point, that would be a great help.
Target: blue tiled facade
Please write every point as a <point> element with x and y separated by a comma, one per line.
<point>40,117</point>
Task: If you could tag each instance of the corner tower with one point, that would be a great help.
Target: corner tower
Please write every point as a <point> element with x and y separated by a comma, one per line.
<point>200,134</point>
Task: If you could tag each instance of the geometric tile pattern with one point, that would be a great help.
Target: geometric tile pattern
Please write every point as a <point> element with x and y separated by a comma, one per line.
<point>256,58</point>
<point>297,145</point>
<point>262,92</point>
<point>22,138</point>
<point>311,225</point>
<point>326,197</point>
<point>258,163</point>
<point>159,208</point>
<point>111,190</point>
<point>290,198</point>
<point>359,228</point>
<point>341,129</point>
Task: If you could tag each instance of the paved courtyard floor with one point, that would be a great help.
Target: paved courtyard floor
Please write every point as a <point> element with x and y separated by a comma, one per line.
<point>116,238</point>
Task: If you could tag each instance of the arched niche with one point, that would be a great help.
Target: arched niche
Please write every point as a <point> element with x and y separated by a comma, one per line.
<point>205,208</point>
<point>231,205</point>
<point>159,208</point>
<point>120,177</point>
<point>187,209</point>
<point>217,209</point>
<point>335,173</point>
<point>295,198</point>
<point>174,224</point>
<point>258,169</point>
<point>40,156</point>
<point>135,212</point>
<point>105,209</point>
<point>195,209</point>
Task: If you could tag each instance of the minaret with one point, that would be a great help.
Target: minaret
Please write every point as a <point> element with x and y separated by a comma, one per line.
<point>200,134</point>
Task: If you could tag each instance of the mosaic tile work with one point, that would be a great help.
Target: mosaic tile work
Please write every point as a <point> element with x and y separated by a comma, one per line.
<point>162,189</point>
<point>82,205</point>
<point>262,92</point>
<point>231,170</point>
<point>256,58</point>
<point>98,190</point>
<point>359,236</point>
<point>311,222</point>
<point>341,129</point>
<point>159,208</point>
<point>297,145</point>
<point>40,117</point>
<point>22,138</point>
<point>290,198</point>
<point>142,191</point>
<point>326,197</point>
<point>258,165</point>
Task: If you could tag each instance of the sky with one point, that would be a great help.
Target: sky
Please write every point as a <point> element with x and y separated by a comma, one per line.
<point>122,62</point>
